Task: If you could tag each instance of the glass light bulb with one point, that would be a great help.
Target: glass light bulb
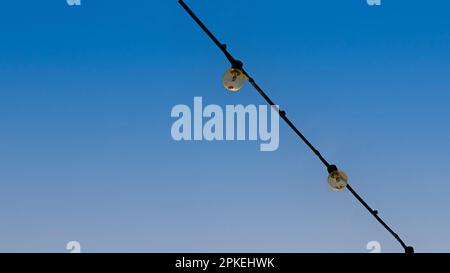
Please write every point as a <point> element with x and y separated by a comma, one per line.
<point>337,180</point>
<point>233,79</point>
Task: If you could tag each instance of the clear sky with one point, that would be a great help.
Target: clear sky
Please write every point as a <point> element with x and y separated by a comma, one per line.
<point>86,152</point>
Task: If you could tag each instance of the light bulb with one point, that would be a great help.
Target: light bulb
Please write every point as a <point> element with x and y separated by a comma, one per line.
<point>233,79</point>
<point>337,180</point>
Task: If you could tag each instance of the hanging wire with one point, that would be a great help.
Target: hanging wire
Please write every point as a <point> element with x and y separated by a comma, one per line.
<point>330,168</point>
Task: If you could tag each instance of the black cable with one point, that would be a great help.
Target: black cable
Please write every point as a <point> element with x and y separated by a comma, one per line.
<point>330,168</point>
<point>285,118</point>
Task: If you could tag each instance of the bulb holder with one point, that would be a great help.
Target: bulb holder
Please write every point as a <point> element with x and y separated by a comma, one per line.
<point>332,168</point>
<point>409,250</point>
<point>236,64</point>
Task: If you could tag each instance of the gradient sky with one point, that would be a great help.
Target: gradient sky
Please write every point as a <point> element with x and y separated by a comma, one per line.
<point>86,152</point>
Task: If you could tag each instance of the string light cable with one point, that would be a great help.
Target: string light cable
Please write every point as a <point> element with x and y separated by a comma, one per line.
<point>234,79</point>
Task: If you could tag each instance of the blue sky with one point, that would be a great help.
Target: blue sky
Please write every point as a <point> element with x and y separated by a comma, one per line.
<point>86,152</point>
